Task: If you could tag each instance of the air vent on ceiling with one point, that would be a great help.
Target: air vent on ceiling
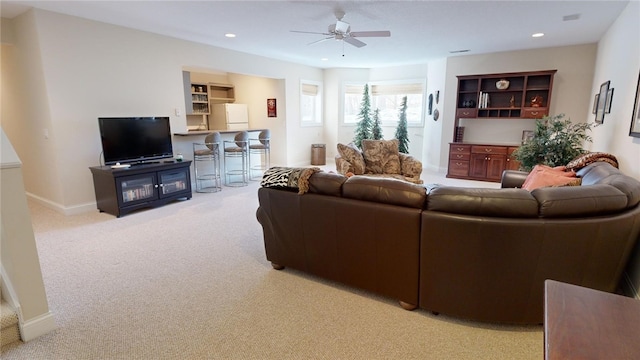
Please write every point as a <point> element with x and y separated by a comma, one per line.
<point>571,17</point>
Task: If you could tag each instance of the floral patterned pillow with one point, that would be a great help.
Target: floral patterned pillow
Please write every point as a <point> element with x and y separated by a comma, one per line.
<point>353,155</point>
<point>381,156</point>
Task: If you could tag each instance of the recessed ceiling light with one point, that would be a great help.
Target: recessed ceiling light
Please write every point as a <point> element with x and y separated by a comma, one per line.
<point>538,35</point>
<point>230,35</point>
<point>325,59</point>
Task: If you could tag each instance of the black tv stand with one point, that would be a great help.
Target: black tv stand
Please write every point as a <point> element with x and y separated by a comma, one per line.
<point>149,162</point>
<point>150,184</point>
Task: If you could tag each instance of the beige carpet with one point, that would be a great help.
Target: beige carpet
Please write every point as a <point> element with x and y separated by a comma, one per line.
<point>190,281</point>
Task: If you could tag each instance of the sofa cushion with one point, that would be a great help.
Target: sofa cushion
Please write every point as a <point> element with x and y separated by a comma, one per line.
<point>509,203</point>
<point>543,175</point>
<point>381,156</point>
<point>579,201</point>
<point>410,166</point>
<point>354,156</point>
<point>628,185</point>
<point>326,183</point>
<point>385,190</point>
<point>596,172</point>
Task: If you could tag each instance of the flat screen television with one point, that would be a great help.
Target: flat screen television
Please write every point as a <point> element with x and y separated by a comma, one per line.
<point>135,140</point>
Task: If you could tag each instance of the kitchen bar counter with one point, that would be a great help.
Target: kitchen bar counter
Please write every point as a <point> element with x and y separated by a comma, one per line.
<point>205,132</point>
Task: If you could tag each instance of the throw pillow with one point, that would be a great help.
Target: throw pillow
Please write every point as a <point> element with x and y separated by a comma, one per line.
<point>353,155</point>
<point>543,176</point>
<point>586,159</point>
<point>381,156</point>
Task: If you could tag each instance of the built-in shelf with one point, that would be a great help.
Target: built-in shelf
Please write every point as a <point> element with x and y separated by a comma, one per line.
<point>221,93</point>
<point>528,95</point>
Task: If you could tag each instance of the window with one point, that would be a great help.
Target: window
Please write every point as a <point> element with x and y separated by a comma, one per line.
<point>386,96</point>
<point>310,103</point>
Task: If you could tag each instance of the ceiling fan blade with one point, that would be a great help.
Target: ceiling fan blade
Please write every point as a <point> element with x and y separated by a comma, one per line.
<point>370,33</point>
<point>354,42</point>
<point>309,32</point>
<point>321,40</point>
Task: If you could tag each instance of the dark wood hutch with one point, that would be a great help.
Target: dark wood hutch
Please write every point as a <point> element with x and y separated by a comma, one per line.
<point>522,95</point>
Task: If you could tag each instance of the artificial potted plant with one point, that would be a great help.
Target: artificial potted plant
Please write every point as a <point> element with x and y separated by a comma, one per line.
<point>556,141</point>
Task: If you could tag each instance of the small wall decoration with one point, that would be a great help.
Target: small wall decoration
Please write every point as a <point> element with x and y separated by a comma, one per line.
<point>537,101</point>
<point>595,104</point>
<point>602,101</point>
<point>635,116</point>
<point>607,105</point>
<point>502,84</point>
<point>271,108</point>
<point>527,135</point>
<point>437,96</point>
<point>430,104</point>
<point>436,115</point>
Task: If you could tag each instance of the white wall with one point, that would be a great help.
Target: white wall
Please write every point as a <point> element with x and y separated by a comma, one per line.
<point>570,94</point>
<point>618,60</point>
<point>433,129</point>
<point>72,71</point>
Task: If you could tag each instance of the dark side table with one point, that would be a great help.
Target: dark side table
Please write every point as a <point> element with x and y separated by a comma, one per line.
<point>582,323</point>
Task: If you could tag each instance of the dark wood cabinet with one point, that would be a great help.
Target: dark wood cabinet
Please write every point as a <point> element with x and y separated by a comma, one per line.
<point>479,161</point>
<point>521,95</point>
<point>122,190</point>
<point>487,162</point>
<point>459,159</point>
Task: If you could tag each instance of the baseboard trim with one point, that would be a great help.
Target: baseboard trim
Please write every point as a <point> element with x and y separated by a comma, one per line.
<point>75,210</point>
<point>37,326</point>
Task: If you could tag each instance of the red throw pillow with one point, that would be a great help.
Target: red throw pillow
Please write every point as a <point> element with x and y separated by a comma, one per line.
<point>543,175</point>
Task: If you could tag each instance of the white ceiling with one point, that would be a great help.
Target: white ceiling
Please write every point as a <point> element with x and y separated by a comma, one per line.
<point>420,30</point>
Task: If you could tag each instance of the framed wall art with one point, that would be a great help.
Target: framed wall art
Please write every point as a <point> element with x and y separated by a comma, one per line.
<point>527,135</point>
<point>607,105</point>
<point>271,108</point>
<point>602,101</point>
<point>635,116</point>
<point>595,104</point>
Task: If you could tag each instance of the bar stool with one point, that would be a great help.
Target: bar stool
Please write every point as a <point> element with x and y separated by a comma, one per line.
<point>237,149</point>
<point>206,163</point>
<point>260,146</point>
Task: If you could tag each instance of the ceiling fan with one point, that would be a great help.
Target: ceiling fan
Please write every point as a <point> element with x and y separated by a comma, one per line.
<point>342,31</point>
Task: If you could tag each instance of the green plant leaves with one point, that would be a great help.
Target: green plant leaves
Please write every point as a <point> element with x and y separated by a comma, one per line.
<point>556,142</point>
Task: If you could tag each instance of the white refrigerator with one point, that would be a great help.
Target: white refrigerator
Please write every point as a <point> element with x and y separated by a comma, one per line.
<point>229,117</point>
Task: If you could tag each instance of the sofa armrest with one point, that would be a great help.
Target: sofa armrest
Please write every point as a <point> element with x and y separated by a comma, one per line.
<point>343,166</point>
<point>410,167</point>
<point>513,178</point>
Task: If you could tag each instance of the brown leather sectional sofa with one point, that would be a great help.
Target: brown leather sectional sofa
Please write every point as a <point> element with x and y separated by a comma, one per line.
<point>480,254</point>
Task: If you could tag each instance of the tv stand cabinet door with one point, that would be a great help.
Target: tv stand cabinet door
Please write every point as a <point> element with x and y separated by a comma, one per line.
<point>135,189</point>
<point>175,182</point>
